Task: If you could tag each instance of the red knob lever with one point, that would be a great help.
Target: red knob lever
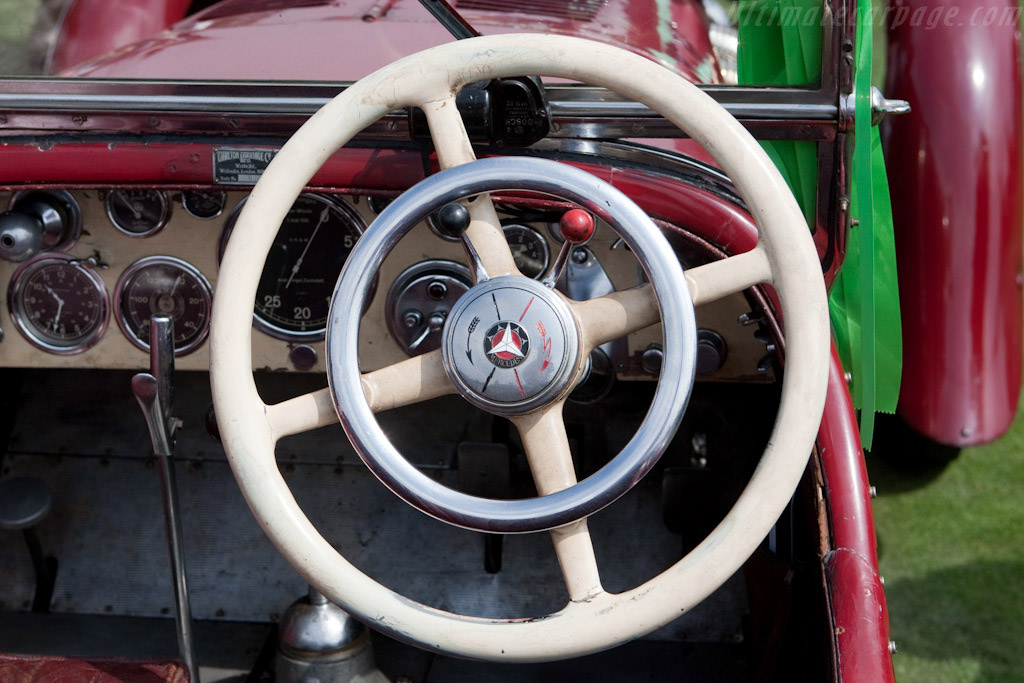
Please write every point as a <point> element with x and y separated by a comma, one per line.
<point>577,226</point>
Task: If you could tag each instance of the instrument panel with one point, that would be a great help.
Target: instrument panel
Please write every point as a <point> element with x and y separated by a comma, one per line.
<point>86,303</point>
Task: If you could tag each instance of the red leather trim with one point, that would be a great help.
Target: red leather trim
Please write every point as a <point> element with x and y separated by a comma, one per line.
<point>34,669</point>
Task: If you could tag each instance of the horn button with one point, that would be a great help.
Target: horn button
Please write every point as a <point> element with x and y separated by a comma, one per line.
<point>510,345</point>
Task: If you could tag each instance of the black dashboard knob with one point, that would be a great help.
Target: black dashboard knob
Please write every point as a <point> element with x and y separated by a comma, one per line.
<point>453,219</point>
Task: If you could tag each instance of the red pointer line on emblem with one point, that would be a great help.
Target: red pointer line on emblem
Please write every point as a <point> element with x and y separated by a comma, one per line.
<point>526,309</point>
<point>518,382</point>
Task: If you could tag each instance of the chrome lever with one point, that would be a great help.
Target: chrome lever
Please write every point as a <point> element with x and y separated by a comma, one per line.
<point>154,391</point>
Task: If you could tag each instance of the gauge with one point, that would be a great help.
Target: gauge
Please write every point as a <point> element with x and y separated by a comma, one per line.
<point>204,204</point>
<point>529,249</point>
<point>59,304</point>
<point>138,212</point>
<point>163,284</point>
<point>303,265</point>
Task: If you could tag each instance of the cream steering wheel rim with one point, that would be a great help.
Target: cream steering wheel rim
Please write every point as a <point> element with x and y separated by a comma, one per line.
<point>785,258</point>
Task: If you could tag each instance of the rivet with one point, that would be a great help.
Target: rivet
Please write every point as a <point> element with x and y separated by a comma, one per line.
<point>892,647</point>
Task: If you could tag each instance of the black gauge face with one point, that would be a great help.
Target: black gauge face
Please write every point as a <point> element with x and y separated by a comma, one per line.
<point>529,249</point>
<point>204,204</point>
<point>305,260</point>
<point>138,213</point>
<point>58,304</point>
<point>161,284</point>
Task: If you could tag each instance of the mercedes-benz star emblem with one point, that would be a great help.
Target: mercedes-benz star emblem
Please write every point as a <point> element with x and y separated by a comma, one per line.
<point>506,344</point>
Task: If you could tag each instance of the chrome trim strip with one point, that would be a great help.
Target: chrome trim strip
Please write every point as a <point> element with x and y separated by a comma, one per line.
<point>240,97</point>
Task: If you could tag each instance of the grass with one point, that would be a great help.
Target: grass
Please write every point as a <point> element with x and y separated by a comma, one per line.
<point>951,540</point>
<point>18,54</point>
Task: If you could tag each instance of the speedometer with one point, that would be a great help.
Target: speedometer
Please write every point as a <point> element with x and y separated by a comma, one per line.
<point>304,263</point>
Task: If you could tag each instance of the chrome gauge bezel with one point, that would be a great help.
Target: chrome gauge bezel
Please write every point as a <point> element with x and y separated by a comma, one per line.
<point>15,303</point>
<point>259,322</point>
<point>165,211</point>
<point>191,210</point>
<point>141,264</point>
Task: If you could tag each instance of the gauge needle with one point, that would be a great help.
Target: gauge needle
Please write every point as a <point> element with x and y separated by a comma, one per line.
<point>60,306</point>
<point>131,207</point>
<point>295,268</point>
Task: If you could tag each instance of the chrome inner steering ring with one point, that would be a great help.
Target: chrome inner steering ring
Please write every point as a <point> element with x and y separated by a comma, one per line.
<point>670,399</point>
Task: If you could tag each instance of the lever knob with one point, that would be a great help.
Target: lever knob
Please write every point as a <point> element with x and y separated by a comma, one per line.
<point>453,219</point>
<point>577,226</point>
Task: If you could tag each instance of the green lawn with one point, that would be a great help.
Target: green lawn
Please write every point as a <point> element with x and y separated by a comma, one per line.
<point>18,19</point>
<point>952,552</point>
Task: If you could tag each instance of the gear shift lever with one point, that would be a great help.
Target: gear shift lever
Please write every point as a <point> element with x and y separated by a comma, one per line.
<point>155,393</point>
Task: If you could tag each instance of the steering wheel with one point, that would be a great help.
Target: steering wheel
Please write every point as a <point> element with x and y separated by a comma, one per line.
<point>785,258</point>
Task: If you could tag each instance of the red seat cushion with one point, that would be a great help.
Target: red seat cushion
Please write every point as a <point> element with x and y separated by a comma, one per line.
<point>32,669</point>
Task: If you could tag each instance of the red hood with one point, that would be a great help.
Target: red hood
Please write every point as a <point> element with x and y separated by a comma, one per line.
<point>333,39</point>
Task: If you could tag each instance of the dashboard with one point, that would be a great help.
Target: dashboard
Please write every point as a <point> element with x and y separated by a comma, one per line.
<point>109,258</point>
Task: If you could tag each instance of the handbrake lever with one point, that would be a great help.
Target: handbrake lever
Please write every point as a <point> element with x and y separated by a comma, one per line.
<point>154,391</point>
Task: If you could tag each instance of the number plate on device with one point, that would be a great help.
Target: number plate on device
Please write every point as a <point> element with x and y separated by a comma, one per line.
<point>233,166</point>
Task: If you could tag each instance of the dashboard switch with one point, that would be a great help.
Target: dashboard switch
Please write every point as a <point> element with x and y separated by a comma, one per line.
<point>711,352</point>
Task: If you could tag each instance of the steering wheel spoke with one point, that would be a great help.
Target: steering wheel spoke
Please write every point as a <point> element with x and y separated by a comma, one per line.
<point>453,148</point>
<point>718,279</point>
<point>410,381</point>
<point>617,314</point>
<point>301,414</point>
<point>547,452</point>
